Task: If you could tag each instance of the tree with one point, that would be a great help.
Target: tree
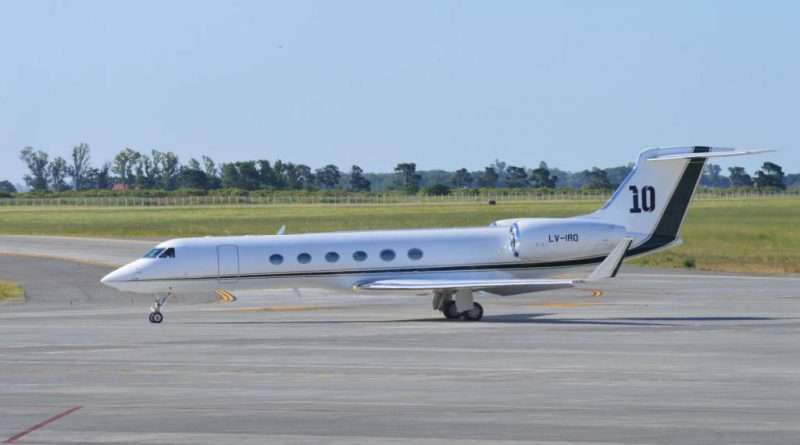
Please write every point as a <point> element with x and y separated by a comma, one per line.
<point>596,179</point>
<point>281,177</point>
<point>358,183</point>
<point>712,177</point>
<point>301,176</point>
<point>541,177</point>
<point>771,176</point>
<point>37,162</point>
<point>266,174</point>
<point>437,190</point>
<point>407,176</point>
<point>147,174</point>
<point>516,177</point>
<point>462,178</point>
<point>249,178</point>
<point>98,178</point>
<point>500,168</point>
<point>616,175</point>
<point>104,176</point>
<point>212,173</point>
<point>209,166</point>
<point>193,164</point>
<point>169,166</point>
<point>230,176</point>
<point>192,178</point>
<point>80,164</point>
<point>7,187</point>
<point>57,171</point>
<point>489,178</point>
<point>739,177</point>
<point>123,165</point>
<point>328,177</point>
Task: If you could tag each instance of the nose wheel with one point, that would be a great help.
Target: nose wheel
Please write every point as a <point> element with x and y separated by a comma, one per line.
<point>156,316</point>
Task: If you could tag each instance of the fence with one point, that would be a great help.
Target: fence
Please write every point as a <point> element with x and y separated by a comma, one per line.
<point>373,199</point>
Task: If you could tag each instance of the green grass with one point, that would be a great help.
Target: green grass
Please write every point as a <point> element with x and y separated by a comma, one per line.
<point>737,236</point>
<point>10,291</point>
<point>759,236</point>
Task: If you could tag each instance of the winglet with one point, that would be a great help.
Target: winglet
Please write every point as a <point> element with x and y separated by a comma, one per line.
<point>610,266</point>
<point>282,230</point>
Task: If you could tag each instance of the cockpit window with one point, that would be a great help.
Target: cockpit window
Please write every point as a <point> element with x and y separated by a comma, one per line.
<point>169,253</point>
<point>153,253</point>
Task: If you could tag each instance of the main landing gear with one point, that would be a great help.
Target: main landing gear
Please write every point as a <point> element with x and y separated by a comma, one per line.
<point>155,310</point>
<point>457,305</point>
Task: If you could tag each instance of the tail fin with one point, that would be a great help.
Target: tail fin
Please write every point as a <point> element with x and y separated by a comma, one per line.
<point>651,202</point>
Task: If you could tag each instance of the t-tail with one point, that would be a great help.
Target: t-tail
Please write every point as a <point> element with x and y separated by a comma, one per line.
<point>651,202</point>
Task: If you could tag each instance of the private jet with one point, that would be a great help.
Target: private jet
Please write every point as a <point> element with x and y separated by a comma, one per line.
<point>506,257</point>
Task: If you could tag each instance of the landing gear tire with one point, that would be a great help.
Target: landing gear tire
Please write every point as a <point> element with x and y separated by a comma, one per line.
<point>156,317</point>
<point>155,311</point>
<point>474,314</point>
<point>449,311</point>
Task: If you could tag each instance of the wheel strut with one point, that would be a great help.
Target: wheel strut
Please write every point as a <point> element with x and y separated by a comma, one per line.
<point>155,310</point>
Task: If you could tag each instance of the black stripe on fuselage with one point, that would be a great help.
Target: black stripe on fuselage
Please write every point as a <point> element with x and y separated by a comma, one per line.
<point>465,268</point>
<point>666,230</point>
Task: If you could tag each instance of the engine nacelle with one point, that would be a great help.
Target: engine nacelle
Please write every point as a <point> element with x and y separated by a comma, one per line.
<point>557,239</point>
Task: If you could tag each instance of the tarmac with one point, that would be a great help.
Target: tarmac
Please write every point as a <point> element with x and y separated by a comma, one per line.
<point>653,356</point>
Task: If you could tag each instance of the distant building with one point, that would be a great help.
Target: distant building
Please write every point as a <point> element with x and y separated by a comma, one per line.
<point>120,187</point>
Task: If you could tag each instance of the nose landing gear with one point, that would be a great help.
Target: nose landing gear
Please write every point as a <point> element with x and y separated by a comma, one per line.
<point>155,310</point>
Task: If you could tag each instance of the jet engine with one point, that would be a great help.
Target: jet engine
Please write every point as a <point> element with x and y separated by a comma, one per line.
<point>545,239</point>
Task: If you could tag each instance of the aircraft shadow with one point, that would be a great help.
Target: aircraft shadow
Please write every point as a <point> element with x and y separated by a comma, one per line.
<point>538,319</point>
<point>530,318</point>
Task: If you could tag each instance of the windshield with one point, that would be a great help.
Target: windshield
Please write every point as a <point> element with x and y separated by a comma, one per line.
<point>153,253</point>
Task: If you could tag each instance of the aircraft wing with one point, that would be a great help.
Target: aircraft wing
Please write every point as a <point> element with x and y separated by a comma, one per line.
<point>607,269</point>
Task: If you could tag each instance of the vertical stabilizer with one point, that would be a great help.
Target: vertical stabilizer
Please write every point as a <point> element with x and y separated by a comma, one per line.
<point>652,201</point>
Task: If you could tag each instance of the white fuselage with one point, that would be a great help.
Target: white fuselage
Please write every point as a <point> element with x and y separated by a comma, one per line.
<point>524,248</point>
<point>509,257</point>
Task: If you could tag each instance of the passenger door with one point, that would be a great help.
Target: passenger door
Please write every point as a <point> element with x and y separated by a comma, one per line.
<point>228,263</point>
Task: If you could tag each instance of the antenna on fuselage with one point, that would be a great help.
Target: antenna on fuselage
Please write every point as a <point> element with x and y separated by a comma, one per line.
<point>282,230</point>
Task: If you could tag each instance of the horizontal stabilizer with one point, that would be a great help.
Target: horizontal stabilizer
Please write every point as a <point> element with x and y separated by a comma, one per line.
<point>714,152</point>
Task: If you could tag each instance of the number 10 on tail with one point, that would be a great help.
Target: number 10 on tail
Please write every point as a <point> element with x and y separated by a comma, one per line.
<point>644,201</point>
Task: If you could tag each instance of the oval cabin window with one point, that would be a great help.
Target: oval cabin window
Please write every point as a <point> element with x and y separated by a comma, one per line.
<point>387,255</point>
<point>331,257</point>
<point>414,254</point>
<point>360,255</point>
<point>304,258</point>
<point>276,259</point>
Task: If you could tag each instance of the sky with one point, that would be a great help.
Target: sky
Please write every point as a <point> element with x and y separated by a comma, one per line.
<point>445,84</point>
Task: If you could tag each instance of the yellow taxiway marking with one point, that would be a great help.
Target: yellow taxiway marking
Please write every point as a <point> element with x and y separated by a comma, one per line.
<point>597,293</point>
<point>225,296</point>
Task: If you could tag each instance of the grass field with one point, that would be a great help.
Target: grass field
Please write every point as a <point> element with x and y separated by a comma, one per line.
<point>760,236</point>
<point>10,291</point>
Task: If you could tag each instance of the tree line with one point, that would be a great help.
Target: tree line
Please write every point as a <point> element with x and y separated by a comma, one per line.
<point>162,170</point>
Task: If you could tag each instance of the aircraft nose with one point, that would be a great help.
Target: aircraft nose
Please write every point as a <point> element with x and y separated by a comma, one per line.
<point>121,275</point>
<point>113,277</point>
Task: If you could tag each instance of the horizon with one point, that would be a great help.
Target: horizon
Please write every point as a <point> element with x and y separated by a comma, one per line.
<point>376,84</point>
